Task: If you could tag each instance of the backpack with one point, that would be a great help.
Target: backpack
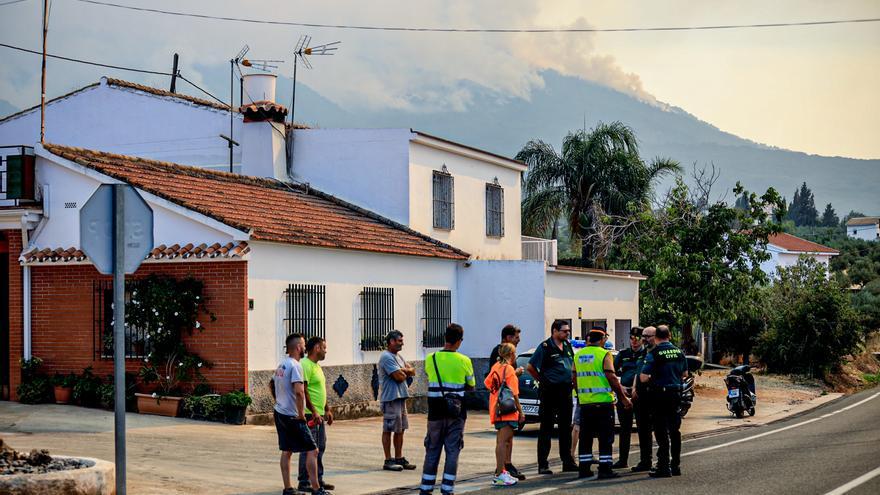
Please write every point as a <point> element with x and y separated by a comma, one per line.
<point>506,402</point>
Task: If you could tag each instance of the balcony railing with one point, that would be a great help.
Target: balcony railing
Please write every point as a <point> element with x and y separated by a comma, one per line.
<point>535,248</point>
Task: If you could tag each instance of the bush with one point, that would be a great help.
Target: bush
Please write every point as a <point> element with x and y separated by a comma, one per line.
<point>107,393</point>
<point>35,387</point>
<point>203,407</point>
<point>66,381</point>
<point>813,324</point>
<point>236,400</point>
<point>86,389</point>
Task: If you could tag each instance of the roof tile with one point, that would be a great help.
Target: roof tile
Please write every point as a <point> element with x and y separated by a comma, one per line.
<point>796,244</point>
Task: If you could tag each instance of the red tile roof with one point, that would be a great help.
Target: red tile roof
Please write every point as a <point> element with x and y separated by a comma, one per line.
<point>201,251</point>
<point>863,221</point>
<point>796,244</point>
<point>271,210</point>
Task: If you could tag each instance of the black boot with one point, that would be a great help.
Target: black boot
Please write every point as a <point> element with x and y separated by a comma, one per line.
<point>584,470</point>
<point>605,472</point>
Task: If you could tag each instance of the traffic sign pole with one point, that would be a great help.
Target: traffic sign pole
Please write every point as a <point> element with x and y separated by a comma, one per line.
<point>119,331</point>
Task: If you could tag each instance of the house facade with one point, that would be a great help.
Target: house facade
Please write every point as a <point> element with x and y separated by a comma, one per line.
<point>785,250</point>
<point>864,228</point>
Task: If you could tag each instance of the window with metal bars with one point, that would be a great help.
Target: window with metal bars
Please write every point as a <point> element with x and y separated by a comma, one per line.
<point>377,317</point>
<point>137,345</point>
<point>494,210</point>
<point>306,310</point>
<point>436,316</point>
<point>444,200</point>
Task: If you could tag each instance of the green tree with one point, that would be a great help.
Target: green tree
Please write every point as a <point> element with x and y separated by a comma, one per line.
<point>851,214</point>
<point>829,217</point>
<point>813,324</point>
<point>802,209</point>
<point>739,335</point>
<point>867,303</point>
<point>742,201</point>
<point>700,257</point>
<point>597,175</point>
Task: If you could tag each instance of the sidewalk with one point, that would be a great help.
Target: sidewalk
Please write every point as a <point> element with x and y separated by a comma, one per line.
<point>179,456</point>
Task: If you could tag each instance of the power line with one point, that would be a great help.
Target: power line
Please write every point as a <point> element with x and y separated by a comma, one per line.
<point>87,62</point>
<point>203,90</point>
<point>481,30</point>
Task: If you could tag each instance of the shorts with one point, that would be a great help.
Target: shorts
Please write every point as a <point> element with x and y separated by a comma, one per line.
<point>293,434</point>
<point>394,417</point>
<point>575,414</point>
<point>502,424</point>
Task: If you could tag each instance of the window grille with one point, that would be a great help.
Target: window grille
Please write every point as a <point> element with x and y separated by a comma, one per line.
<point>137,345</point>
<point>437,315</point>
<point>494,210</point>
<point>444,200</point>
<point>377,310</point>
<point>306,310</point>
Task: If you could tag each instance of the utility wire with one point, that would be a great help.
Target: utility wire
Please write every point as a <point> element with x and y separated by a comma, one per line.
<point>87,62</point>
<point>203,90</point>
<point>481,30</point>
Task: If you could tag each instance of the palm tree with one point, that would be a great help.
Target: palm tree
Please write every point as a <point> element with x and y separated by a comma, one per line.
<point>599,174</point>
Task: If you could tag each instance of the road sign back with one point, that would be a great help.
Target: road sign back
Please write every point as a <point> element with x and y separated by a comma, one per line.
<point>96,228</point>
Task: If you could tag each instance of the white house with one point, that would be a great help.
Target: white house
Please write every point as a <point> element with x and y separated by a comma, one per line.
<point>865,228</point>
<point>785,250</point>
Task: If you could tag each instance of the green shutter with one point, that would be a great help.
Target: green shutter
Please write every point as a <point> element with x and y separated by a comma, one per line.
<point>20,177</point>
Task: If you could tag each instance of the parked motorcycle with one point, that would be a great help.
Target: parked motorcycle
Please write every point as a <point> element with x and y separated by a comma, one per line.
<point>741,396</point>
<point>695,363</point>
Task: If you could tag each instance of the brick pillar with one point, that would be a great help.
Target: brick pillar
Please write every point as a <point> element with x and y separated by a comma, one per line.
<point>16,310</point>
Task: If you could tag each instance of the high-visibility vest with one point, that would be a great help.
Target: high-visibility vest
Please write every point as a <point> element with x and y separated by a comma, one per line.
<point>592,385</point>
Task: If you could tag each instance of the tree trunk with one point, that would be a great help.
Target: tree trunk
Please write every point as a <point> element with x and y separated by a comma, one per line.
<point>586,253</point>
<point>688,344</point>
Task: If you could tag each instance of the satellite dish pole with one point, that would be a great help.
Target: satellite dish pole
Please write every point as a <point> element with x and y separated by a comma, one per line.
<point>300,53</point>
<point>232,63</point>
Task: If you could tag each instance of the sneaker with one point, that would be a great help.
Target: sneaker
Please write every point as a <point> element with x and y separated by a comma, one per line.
<point>503,479</point>
<point>545,470</point>
<point>321,491</point>
<point>392,465</point>
<point>639,468</point>
<point>676,471</point>
<point>513,471</point>
<point>621,464</point>
<point>402,462</point>
<point>289,491</point>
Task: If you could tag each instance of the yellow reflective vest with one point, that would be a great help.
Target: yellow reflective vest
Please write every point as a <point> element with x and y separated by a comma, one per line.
<point>592,385</point>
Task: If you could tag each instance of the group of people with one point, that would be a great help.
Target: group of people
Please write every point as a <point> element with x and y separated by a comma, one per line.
<point>578,392</point>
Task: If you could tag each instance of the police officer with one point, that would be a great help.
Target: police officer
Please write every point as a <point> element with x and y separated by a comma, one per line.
<point>595,380</point>
<point>642,405</point>
<point>625,363</point>
<point>665,368</point>
<point>551,366</point>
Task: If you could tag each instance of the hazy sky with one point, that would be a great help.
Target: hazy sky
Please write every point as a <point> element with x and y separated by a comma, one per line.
<point>812,89</point>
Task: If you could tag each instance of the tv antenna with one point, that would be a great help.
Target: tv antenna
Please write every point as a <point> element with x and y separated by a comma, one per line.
<point>301,53</point>
<point>261,65</point>
<point>232,63</point>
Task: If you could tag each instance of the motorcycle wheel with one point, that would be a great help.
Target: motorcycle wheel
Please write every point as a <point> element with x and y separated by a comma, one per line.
<point>738,413</point>
<point>752,411</point>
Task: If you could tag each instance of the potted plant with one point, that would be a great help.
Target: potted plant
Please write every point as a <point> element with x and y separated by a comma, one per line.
<point>85,390</point>
<point>234,406</point>
<point>63,387</point>
<point>169,374</point>
<point>35,387</point>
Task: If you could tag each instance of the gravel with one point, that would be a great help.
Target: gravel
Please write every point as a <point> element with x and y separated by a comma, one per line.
<point>35,462</point>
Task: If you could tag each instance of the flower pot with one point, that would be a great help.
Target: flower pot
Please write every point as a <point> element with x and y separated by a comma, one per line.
<point>161,406</point>
<point>63,394</point>
<point>235,415</point>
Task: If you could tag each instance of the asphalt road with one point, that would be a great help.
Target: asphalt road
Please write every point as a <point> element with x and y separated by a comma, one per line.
<point>816,453</point>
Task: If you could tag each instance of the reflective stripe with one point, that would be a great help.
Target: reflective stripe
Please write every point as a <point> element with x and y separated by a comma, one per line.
<point>590,373</point>
<point>440,394</point>
<point>448,477</point>
<point>429,477</point>
<point>447,488</point>
<point>426,488</point>
<point>452,386</point>
<point>594,390</point>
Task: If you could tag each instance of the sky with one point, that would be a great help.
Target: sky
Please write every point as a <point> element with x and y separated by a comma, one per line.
<point>810,89</point>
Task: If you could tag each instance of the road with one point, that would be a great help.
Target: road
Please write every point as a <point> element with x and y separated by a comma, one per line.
<point>833,449</point>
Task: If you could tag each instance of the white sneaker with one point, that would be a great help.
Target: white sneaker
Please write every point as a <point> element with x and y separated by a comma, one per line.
<point>504,479</point>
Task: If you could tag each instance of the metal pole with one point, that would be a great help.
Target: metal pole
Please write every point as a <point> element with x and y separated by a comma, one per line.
<point>119,331</point>
<point>293,97</point>
<point>43,73</point>
<point>174,75</point>
<point>231,102</point>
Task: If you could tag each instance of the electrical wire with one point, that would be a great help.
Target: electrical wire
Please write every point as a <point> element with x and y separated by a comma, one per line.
<point>481,30</point>
<point>87,62</point>
<point>203,90</point>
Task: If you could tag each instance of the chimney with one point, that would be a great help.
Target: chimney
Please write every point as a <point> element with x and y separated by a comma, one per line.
<point>263,133</point>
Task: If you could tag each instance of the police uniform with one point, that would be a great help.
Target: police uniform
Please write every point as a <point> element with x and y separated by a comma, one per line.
<point>666,364</point>
<point>626,363</point>
<point>643,408</point>
<point>554,367</point>
<point>596,401</point>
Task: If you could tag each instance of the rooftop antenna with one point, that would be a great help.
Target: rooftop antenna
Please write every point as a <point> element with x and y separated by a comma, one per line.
<point>301,52</point>
<point>232,63</point>
<point>261,65</point>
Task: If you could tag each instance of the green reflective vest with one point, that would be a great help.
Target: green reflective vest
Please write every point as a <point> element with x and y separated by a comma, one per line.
<point>592,385</point>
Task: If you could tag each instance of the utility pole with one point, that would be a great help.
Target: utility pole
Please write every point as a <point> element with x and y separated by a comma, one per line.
<point>43,74</point>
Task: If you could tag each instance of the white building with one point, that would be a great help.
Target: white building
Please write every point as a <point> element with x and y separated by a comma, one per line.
<point>865,228</point>
<point>785,250</point>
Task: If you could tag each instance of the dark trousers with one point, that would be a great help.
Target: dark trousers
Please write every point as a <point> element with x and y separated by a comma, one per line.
<point>667,423</point>
<point>555,408</point>
<point>642,408</point>
<point>597,421</point>
<point>626,416</point>
<point>319,433</point>
<point>443,435</point>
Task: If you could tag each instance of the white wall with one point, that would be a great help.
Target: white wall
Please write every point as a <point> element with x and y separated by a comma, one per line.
<point>125,121</point>
<point>787,259</point>
<point>470,178</point>
<point>599,297</point>
<point>272,267</point>
<point>492,294</point>
<point>367,167</point>
<point>864,232</point>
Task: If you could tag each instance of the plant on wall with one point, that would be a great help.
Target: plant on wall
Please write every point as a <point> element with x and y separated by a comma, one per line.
<point>167,310</point>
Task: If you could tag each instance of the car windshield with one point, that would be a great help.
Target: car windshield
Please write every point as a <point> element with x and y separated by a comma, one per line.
<point>522,361</point>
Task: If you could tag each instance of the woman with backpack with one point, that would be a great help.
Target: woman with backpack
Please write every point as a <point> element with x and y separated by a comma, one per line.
<point>505,413</point>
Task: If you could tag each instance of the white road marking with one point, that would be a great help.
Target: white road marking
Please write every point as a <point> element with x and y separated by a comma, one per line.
<point>580,480</point>
<point>540,490</point>
<point>856,482</point>
<point>789,427</point>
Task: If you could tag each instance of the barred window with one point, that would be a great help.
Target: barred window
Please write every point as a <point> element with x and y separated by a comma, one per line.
<point>444,200</point>
<point>436,316</point>
<point>137,345</point>
<point>306,310</point>
<point>494,210</point>
<point>377,310</point>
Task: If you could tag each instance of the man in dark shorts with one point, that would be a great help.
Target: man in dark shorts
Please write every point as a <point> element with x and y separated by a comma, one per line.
<point>290,419</point>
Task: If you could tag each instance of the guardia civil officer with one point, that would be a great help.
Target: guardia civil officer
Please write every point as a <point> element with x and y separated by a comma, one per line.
<point>642,405</point>
<point>625,364</point>
<point>665,368</point>
<point>595,379</point>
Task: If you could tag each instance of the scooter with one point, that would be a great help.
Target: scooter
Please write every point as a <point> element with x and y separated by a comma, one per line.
<point>695,363</point>
<point>741,396</point>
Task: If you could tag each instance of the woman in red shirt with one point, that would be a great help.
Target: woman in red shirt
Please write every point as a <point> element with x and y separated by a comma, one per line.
<point>504,371</point>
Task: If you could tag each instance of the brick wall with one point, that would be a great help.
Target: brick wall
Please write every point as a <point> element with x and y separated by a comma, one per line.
<point>63,332</point>
<point>16,312</point>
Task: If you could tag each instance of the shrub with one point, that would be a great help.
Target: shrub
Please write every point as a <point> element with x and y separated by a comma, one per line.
<point>203,407</point>
<point>85,391</point>
<point>35,387</point>
<point>66,381</point>
<point>236,400</point>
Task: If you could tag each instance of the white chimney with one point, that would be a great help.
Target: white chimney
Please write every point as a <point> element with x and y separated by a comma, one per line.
<point>263,133</point>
